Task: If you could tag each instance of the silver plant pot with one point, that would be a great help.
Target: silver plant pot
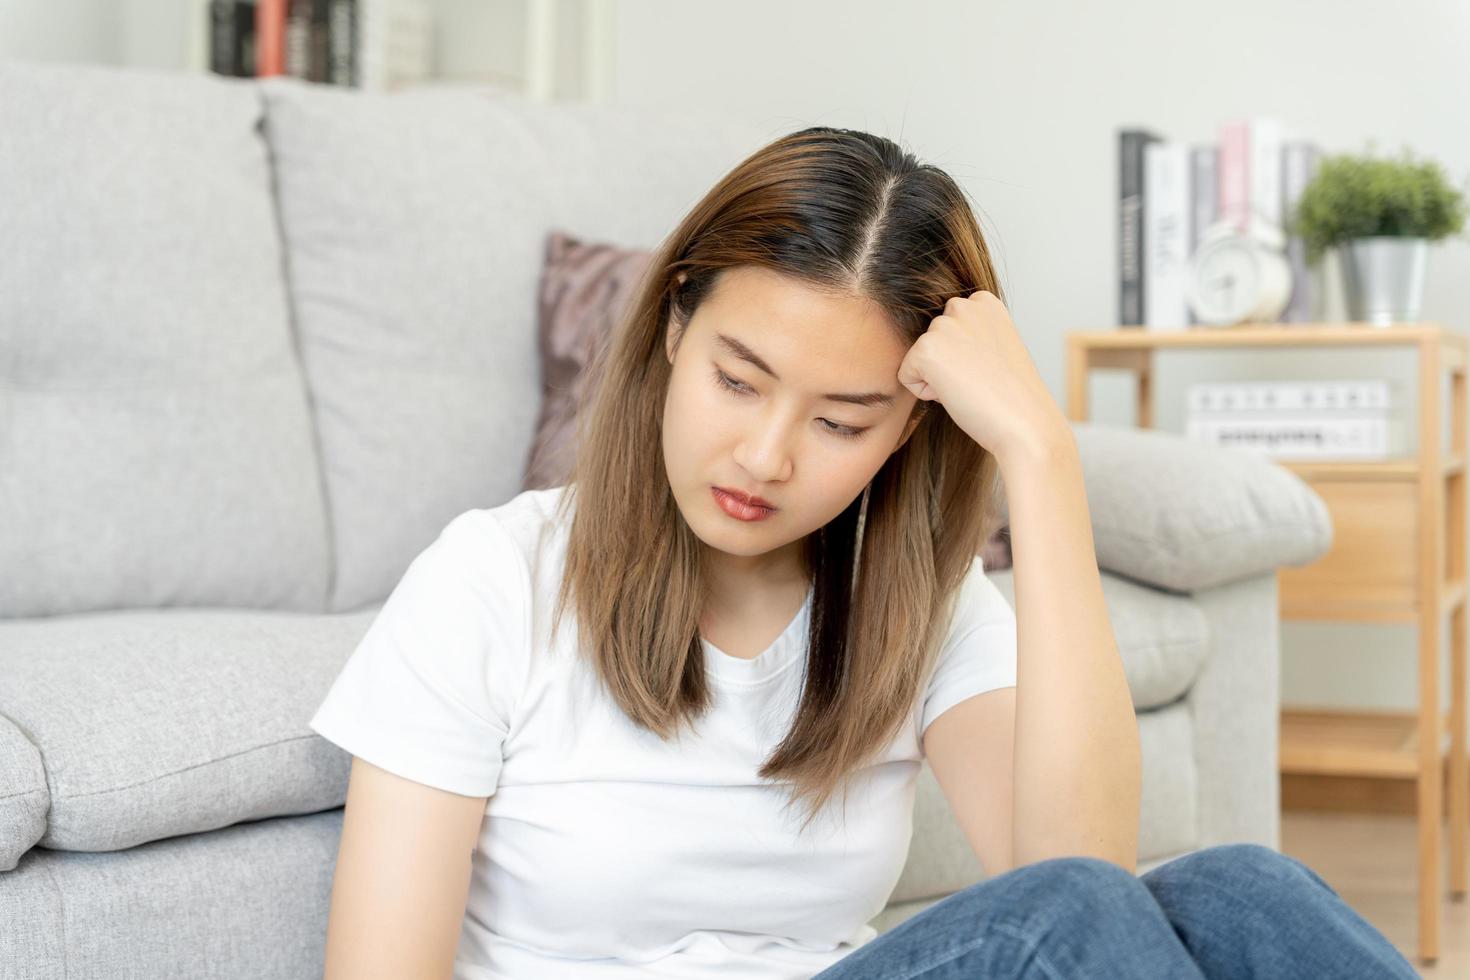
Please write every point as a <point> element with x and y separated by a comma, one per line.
<point>1384,278</point>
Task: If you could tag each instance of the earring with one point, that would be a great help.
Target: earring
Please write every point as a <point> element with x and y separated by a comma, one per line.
<point>859,534</point>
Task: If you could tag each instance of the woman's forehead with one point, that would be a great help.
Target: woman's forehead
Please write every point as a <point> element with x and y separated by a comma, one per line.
<point>759,306</point>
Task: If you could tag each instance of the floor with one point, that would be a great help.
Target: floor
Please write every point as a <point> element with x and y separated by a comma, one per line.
<point>1369,859</point>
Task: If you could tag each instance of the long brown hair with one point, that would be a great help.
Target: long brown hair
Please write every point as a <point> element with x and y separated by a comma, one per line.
<point>839,210</point>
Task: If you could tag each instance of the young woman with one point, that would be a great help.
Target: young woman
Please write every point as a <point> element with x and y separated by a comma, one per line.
<point>665,720</point>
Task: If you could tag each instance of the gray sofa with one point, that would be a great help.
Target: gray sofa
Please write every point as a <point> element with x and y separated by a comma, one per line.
<point>259,342</point>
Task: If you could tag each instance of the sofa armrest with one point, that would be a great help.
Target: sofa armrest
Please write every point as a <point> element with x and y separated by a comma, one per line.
<point>1179,514</point>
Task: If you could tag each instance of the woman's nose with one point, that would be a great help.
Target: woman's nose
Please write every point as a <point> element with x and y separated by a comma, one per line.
<point>765,450</point>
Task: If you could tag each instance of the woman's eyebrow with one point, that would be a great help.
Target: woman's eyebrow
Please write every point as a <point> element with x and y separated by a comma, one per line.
<point>868,399</point>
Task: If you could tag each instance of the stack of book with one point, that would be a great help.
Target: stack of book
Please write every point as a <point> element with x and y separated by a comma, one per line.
<point>1316,420</point>
<point>372,44</point>
<point>1170,192</point>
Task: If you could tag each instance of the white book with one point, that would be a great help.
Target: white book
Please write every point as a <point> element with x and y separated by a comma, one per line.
<point>1266,138</point>
<point>395,43</point>
<point>1166,220</point>
<point>1321,438</point>
<point>1291,396</point>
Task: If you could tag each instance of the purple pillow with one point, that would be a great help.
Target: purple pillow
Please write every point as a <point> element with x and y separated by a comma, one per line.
<point>585,287</point>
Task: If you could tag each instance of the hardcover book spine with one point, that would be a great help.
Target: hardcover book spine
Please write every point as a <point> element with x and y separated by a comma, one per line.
<point>1204,190</point>
<point>223,45</point>
<point>1234,397</point>
<point>1166,234</point>
<point>320,40</point>
<point>1265,169</point>
<point>298,39</point>
<point>1131,285</point>
<point>1234,166</point>
<point>341,49</point>
<point>1316,438</point>
<point>1299,162</point>
<point>270,37</point>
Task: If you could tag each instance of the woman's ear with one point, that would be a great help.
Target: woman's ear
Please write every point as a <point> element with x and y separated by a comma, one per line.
<point>908,430</point>
<point>670,330</point>
<point>912,424</point>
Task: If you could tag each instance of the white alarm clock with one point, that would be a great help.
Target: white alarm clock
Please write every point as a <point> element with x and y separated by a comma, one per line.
<point>1239,276</point>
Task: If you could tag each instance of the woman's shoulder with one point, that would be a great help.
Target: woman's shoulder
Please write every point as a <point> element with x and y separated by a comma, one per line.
<point>527,515</point>
<point>521,532</point>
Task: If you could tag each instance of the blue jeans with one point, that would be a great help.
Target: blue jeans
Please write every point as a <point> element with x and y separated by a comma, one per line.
<point>1224,912</point>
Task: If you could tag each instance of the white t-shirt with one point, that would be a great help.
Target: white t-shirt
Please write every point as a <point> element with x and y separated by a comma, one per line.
<point>605,853</point>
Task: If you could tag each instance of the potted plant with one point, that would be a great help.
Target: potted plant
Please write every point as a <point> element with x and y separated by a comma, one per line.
<point>1380,214</point>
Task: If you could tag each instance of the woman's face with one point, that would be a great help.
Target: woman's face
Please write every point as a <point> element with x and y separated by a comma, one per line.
<point>777,434</point>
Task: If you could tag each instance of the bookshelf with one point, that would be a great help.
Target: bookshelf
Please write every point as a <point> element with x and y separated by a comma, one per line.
<point>544,49</point>
<point>1398,555</point>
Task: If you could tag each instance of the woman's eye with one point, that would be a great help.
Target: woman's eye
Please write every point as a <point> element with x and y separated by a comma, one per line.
<point>845,431</point>
<point>836,429</point>
<point>725,381</point>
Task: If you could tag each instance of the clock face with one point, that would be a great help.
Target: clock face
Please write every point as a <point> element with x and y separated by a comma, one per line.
<point>1226,282</point>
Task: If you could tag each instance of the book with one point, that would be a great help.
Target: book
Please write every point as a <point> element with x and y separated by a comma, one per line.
<point>1240,397</point>
<point>1131,244</point>
<point>1346,419</point>
<point>341,47</point>
<point>270,37</point>
<point>317,39</point>
<point>1234,173</point>
<point>1299,162</point>
<point>1250,170</point>
<point>298,38</point>
<point>232,37</point>
<point>1166,210</point>
<point>1339,437</point>
<point>1265,137</point>
<point>394,43</point>
<point>1204,193</point>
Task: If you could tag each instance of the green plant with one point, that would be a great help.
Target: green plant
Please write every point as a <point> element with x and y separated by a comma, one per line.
<point>1359,195</point>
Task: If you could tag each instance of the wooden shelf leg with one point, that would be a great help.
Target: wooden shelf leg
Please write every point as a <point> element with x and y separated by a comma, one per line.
<point>1431,573</point>
<point>1145,407</point>
<point>1459,761</point>
<point>1079,376</point>
<point>1430,797</point>
<point>1459,774</point>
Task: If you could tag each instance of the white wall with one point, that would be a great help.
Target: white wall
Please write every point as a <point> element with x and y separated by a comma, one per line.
<point>1019,101</point>
<point>59,30</point>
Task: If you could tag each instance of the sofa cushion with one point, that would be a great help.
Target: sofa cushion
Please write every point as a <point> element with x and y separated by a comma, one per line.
<point>415,223</point>
<point>152,724</point>
<point>248,902</point>
<point>1185,515</point>
<point>1163,639</point>
<point>24,797</point>
<point>156,448</point>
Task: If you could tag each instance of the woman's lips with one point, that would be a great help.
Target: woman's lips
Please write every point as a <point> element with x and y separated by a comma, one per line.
<point>738,509</point>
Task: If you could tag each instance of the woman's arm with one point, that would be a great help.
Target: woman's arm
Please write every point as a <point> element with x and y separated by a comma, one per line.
<point>1077,759</point>
<point>402,878</point>
<point>1077,767</point>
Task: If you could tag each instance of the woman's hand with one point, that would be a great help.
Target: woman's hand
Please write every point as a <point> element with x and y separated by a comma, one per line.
<point>972,361</point>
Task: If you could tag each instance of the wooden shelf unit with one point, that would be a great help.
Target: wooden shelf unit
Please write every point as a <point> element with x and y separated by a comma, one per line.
<point>1398,556</point>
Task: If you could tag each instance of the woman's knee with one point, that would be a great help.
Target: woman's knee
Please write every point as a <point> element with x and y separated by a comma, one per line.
<point>1239,861</point>
<point>1066,886</point>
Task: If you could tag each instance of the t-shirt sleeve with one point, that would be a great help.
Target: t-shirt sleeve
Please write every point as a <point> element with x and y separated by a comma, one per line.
<point>979,653</point>
<point>427,693</point>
